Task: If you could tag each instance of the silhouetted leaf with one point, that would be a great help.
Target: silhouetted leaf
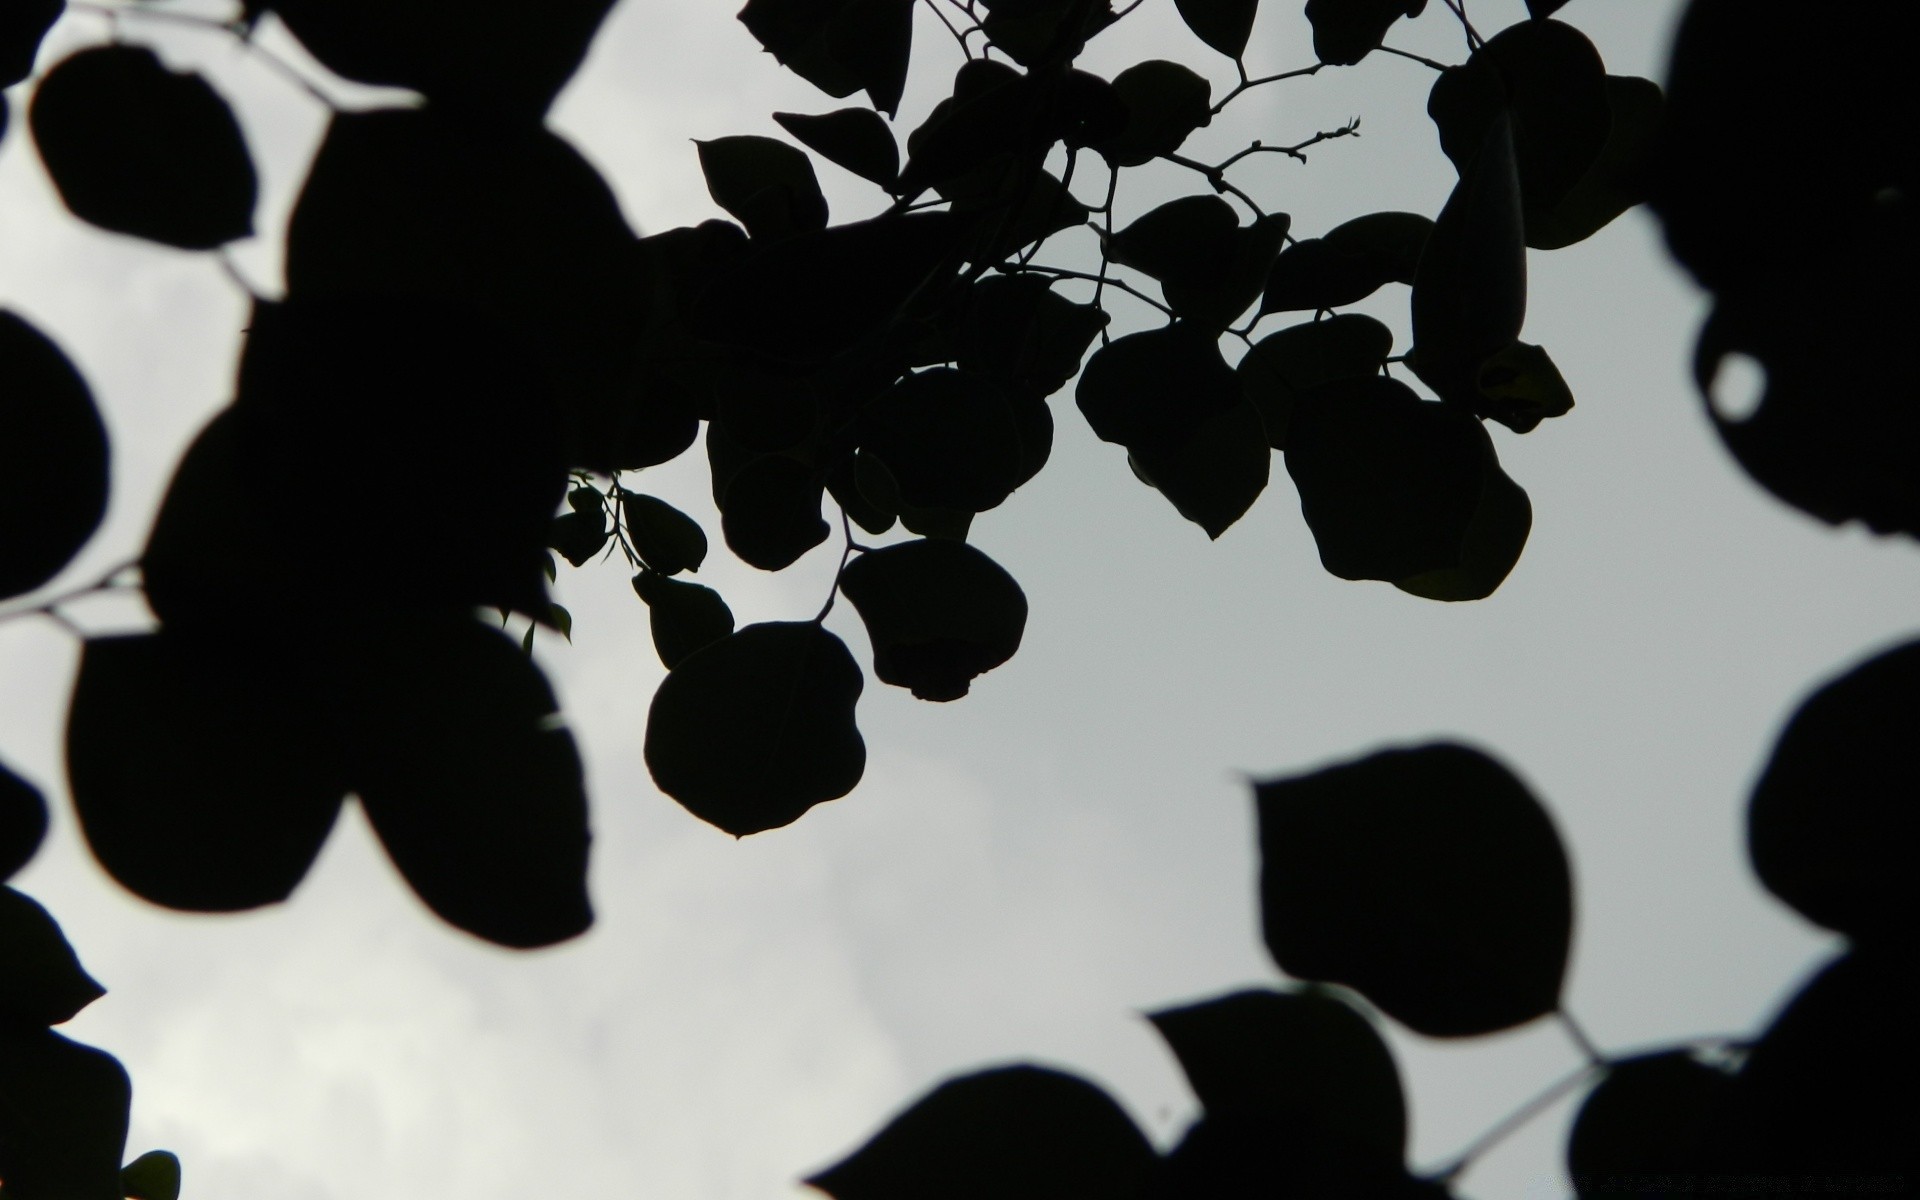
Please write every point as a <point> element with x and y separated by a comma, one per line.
<point>205,770</point>
<point>766,184</point>
<point>1209,267</point>
<point>1539,10</point>
<point>1312,274</point>
<point>1036,33</point>
<point>1305,1059</point>
<point>64,1128</point>
<point>938,614</point>
<point>505,219</point>
<point>22,24</point>
<point>155,1175</point>
<point>764,407</point>
<point>1389,483</point>
<point>1155,389</point>
<point>1017,329</point>
<point>1826,1093</point>
<point>843,482</point>
<point>839,46</point>
<point>1645,1121</point>
<point>23,822</point>
<point>1520,387</point>
<point>1282,365</point>
<point>854,138</point>
<point>1832,827</point>
<point>1388,243</point>
<point>44,983</point>
<point>504,54</point>
<point>470,780</point>
<point>53,459</point>
<point>810,297</point>
<point>1550,79</point>
<point>667,540</point>
<point>1618,178</point>
<point>1223,24</point>
<point>1165,102</point>
<point>1489,548</point>
<point>1346,31</point>
<point>1016,1133</point>
<point>1215,475</point>
<point>1429,879</point>
<point>948,438</point>
<point>138,149</point>
<point>770,515</point>
<point>970,134</point>
<point>579,536</point>
<point>1470,296</point>
<point>1250,1154</point>
<point>683,616</point>
<point>363,390</point>
<point>758,727</point>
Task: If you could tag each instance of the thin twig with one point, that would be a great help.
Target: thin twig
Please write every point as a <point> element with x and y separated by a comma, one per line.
<point>846,552</point>
<point>1105,281</point>
<point>1419,58</point>
<point>1513,1121</point>
<point>1580,1039</point>
<point>50,606</point>
<point>1216,176</point>
<point>1246,84</point>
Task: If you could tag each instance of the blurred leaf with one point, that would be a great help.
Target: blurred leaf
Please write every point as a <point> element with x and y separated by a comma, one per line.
<point>1346,31</point>
<point>766,184</point>
<point>562,620</point>
<point>484,54</point>
<point>1224,25</point>
<point>854,138</point>
<point>23,822</point>
<point>1304,1059</point>
<point>839,46</point>
<point>64,1128</point>
<point>23,24</point>
<point>1832,828</point>
<point>1215,475</point>
<point>758,727</point>
<point>1489,549</point>
<point>1389,484</point>
<point>1470,296</point>
<point>1015,1133</point>
<point>505,220</point>
<point>1282,365</point>
<point>938,613</point>
<point>53,460</point>
<point>1645,1120</point>
<point>770,515</point>
<point>138,149</point>
<point>1520,387</point>
<point>205,769</point>
<point>1428,879</point>
<point>155,1175</point>
<point>667,540</point>
<point>1165,102</point>
<point>948,438</point>
<point>684,616</point>
<point>469,778</point>
<point>44,983</point>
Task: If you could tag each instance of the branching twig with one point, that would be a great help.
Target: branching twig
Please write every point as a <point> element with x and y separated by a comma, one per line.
<point>1103,280</point>
<point>1246,84</point>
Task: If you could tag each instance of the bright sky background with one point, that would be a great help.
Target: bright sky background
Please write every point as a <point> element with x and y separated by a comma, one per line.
<point>1022,873</point>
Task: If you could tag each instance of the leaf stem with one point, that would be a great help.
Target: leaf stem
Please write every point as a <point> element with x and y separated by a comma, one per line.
<point>1104,280</point>
<point>1419,58</point>
<point>1580,1039</point>
<point>1512,1122</point>
<point>846,552</point>
<point>50,607</point>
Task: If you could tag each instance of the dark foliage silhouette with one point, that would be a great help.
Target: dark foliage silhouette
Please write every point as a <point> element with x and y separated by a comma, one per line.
<point>462,289</point>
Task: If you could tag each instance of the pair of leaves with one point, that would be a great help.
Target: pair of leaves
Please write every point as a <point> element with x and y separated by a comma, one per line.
<point>755,728</point>
<point>1404,490</point>
<point>53,459</point>
<point>136,148</point>
<point>1350,263</point>
<point>1209,267</point>
<point>207,769</point>
<point>839,46</point>
<point>1428,879</point>
<point>1172,401</point>
<point>502,55</point>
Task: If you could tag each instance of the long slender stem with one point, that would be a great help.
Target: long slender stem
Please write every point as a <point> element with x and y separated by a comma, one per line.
<point>1246,84</point>
<point>1580,1039</point>
<point>1506,1127</point>
<point>846,552</point>
<point>1108,281</point>
<point>50,606</point>
<point>1419,58</point>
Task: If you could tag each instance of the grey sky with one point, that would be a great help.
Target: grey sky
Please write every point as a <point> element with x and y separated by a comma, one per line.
<point>1024,871</point>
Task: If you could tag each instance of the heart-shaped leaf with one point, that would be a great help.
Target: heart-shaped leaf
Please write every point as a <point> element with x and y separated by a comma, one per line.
<point>938,614</point>
<point>1428,879</point>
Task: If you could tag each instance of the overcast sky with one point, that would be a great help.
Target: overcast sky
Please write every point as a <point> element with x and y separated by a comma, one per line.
<point>1023,872</point>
